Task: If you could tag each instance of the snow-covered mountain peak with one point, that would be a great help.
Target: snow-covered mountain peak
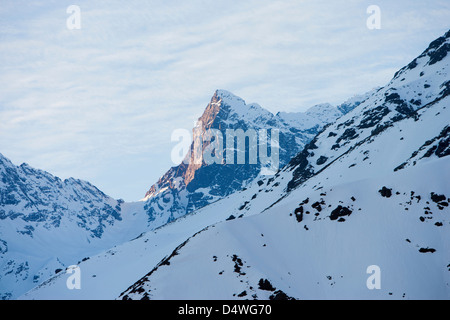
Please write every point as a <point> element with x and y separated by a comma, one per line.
<point>228,98</point>
<point>370,189</point>
<point>192,185</point>
<point>4,162</point>
<point>316,116</point>
<point>46,223</point>
<point>230,108</point>
<point>325,111</point>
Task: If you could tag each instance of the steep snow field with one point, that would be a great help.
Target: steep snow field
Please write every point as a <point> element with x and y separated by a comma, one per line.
<point>372,188</point>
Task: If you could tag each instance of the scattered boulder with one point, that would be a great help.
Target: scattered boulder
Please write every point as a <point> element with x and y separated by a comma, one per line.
<point>340,211</point>
<point>299,214</point>
<point>321,160</point>
<point>427,250</point>
<point>265,284</point>
<point>280,295</point>
<point>242,294</point>
<point>385,192</point>
<point>237,264</point>
<point>304,202</point>
<point>437,197</point>
<point>316,205</point>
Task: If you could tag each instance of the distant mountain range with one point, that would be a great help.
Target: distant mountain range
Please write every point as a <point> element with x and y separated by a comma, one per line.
<point>364,183</point>
<point>42,213</point>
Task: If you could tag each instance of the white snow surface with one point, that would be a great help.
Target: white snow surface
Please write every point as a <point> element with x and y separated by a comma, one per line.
<point>225,249</point>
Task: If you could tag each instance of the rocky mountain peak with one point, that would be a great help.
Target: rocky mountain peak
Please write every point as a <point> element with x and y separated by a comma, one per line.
<point>193,184</point>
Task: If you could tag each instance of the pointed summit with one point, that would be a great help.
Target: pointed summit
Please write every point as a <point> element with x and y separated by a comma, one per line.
<point>228,98</point>
<point>227,110</point>
<point>191,185</point>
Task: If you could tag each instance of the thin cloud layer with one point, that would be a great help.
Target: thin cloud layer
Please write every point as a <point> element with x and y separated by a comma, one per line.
<point>100,103</point>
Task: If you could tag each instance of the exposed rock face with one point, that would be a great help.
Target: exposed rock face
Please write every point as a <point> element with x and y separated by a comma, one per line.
<point>47,223</point>
<point>194,184</point>
<point>36,196</point>
<point>420,84</point>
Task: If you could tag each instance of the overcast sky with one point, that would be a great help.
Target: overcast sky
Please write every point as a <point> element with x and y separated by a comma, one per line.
<point>100,103</point>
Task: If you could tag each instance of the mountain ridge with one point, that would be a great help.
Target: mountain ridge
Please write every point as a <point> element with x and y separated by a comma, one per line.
<point>34,204</point>
<point>192,185</point>
<point>342,204</point>
<point>313,229</point>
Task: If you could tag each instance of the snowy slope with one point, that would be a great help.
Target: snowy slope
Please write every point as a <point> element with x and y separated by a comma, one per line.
<point>370,189</point>
<point>319,258</point>
<point>347,202</point>
<point>47,224</point>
